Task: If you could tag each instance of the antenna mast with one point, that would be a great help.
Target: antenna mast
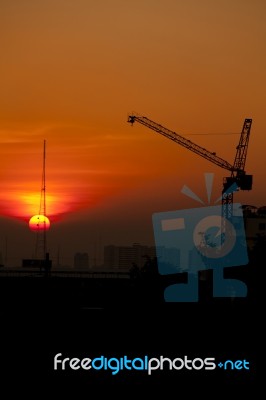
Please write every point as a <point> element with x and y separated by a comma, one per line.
<point>41,244</point>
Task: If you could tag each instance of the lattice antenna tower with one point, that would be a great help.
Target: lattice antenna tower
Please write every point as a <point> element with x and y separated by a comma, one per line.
<point>41,242</point>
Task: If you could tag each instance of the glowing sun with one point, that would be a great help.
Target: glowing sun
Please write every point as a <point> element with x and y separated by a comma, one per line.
<point>39,223</point>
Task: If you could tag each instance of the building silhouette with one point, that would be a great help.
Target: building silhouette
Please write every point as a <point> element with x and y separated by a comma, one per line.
<point>81,260</point>
<point>123,257</point>
<point>255,223</point>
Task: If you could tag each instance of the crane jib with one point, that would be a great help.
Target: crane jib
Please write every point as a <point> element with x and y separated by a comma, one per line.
<point>211,156</point>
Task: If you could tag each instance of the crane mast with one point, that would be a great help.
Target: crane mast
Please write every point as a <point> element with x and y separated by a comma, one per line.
<point>242,148</point>
<point>238,179</point>
<point>238,174</point>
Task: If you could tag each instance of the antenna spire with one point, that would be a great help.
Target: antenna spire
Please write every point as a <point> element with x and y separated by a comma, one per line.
<point>41,244</point>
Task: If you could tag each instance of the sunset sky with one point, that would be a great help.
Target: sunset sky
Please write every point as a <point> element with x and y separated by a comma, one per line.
<point>71,71</point>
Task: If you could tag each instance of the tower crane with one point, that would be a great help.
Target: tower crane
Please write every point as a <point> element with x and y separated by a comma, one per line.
<point>238,179</point>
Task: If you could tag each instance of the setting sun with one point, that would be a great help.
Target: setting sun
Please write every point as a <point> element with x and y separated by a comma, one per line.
<point>39,223</point>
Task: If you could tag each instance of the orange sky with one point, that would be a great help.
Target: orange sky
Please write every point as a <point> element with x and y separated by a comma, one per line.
<point>71,72</point>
